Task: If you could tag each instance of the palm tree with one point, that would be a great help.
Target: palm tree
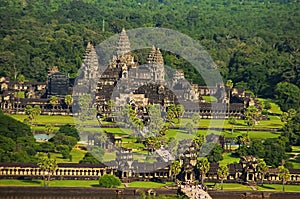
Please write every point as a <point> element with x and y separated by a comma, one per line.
<point>262,168</point>
<point>48,167</point>
<point>251,116</point>
<point>175,111</point>
<point>153,143</point>
<point>175,168</point>
<point>223,172</point>
<point>284,175</point>
<point>229,85</point>
<point>203,166</point>
<point>53,102</point>
<point>199,139</point>
<point>69,101</point>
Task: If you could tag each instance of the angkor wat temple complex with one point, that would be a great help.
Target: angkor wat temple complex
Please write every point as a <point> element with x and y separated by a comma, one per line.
<point>123,81</point>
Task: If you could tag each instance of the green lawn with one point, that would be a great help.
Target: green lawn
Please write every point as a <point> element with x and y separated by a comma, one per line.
<point>228,159</point>
<point>230,186</point>
<point>275,109</point>
<point>274,122</point>
<point>77,155</point>
<point>140,184</point>
<point>181,134</point>
<point>278,187</point>
<point>210,99</point>
<point>53,183</point>
<point>5,182</point>
<point>109,156</point>
<point>252,134</point>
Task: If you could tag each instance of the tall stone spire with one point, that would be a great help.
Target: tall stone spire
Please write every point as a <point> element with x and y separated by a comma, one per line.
<point>155,57</point>
<point>156,60</point>
<point>123,45</point>
<point>90,62</point>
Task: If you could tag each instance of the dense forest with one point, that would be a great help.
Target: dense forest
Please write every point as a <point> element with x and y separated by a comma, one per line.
<point>253,42</point>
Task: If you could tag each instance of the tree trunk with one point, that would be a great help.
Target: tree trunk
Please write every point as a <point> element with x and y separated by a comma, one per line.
<point>222,184</point>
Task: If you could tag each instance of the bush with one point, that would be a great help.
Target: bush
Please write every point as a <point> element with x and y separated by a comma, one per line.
<point>108,180</point>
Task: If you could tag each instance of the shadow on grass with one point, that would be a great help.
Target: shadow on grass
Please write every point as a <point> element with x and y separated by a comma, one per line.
<point>96,185</point>
<point>32,182</point>
<point>266,187</point>
<point>275,124</point>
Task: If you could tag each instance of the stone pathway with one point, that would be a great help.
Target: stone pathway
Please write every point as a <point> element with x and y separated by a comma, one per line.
<point>195,193</point>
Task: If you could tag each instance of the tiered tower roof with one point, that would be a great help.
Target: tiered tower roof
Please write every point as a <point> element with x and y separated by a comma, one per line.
<point>155,57</point>
<point>123,45</point>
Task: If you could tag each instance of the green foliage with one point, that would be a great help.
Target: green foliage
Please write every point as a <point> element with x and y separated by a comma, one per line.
<point>69,131</point>
<point>46,147</point>
<point>252,53</point>
<point>89,159</point>
<point>176,110</point>
<point>291,129</point>
<point>49,166</point>
<point>12,128</point>
<point>284,175</point>
<point>7,144</point>
<point>215,155</point>
<point>251,115</point>
<point>109,181</point>
<point>287,95</point>
<point>175,168</point>
<point>223,172</point>
<point>203,165</point>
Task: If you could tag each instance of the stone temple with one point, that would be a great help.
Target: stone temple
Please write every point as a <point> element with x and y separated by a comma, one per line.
<point>124,81</point>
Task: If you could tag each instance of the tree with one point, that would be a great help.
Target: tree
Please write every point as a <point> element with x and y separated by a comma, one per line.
<point>196,119</point>
<point>267,106</point>
<point>251,116</point>
<point>232,121</point>
<point>69,130</point>
<point>199,139</point>
<point>223,172</point>
<point>215,155</point>
<point>262,168</point>
<point>177,110</point>
<point>229,85</point>
<point>284,176</point>
<point>291,130</point>
<point>49,129</point>
<point>69,101</point>
<point>48,167</point>
<point>287,95</point>
<point>203,165</point>
<point>153,143</point>
<point>189,127</point>
<point>109,181</point>
<point>156,119</point>
<point>175,168</point>
<point>53,101</point>
<point>89,159</point>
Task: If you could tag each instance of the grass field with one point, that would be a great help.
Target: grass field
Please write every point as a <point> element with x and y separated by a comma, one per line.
<point>274,122</point>
<point>181,134</point>
<point>228,159</point>
<point>295,157</point>
<point>229,186</point>
<point>141,184</point>
<point>77,155</point>
<point>275,109</point>
<point>210,99</point>
<point>278,187</point>
<point>53,183</point>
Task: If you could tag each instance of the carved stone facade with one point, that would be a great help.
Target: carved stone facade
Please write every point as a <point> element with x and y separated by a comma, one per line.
<point>124,78</point>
